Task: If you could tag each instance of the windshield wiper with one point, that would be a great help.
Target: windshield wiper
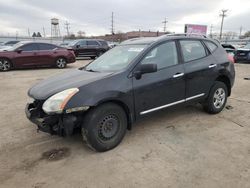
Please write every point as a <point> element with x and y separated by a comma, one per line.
<point>91,70</point>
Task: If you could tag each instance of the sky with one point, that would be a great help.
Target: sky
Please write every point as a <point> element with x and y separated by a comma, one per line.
<point>94,16</point>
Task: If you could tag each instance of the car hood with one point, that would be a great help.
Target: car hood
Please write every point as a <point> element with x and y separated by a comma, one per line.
<point>73,79</point>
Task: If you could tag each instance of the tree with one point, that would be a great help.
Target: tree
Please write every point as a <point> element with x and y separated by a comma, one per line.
<point>38,34</point>
<point>247,34</point>
<point>34,35</point>
<point>81,34</point>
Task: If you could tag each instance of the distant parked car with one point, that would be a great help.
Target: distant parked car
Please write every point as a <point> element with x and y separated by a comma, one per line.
<point>8,44</point>
<point>35,54</point>
<point>89,47</point>
<point>243,54</point>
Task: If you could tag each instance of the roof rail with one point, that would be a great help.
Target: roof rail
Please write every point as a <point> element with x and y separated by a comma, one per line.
<point>186,35</point>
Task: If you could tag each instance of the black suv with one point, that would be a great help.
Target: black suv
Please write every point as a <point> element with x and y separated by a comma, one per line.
<point>135,78</point>
<point>89,47</point>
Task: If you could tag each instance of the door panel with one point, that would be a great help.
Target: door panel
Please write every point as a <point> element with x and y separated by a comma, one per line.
<point>28,57</point>
<point>200,68</point>
<point>163,88</point>
<point>160,88</point>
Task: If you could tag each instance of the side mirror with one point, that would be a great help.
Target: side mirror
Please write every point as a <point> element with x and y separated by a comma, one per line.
<point>77,46</point>
<point>144,69</point>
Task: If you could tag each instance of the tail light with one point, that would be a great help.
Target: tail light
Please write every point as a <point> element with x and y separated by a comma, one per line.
<point>230,58</point>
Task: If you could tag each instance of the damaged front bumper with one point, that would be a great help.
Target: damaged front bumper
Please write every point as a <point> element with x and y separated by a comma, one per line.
<point>61,124</point>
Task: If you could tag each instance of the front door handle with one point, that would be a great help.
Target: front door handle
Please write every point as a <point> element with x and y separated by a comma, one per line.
<point>212,66</point>
<point>178,75</point>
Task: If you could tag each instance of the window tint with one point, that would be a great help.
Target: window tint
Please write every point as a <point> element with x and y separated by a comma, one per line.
<point>163,55</point>
<point>192,50</point>
<point>29,47</point>
<point>211,46</point>
<point>46,46</point>
<point>93,43</point>
<point>82,43</point>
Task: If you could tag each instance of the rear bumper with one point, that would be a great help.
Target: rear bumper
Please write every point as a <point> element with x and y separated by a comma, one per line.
<point>54,124</point>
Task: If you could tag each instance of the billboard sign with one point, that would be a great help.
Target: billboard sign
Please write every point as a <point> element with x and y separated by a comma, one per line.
<point>196,29</point>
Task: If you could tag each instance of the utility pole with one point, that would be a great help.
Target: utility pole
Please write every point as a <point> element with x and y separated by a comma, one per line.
<point>112,24</point>
<point>211,31</point>
<point>240,31</point>
<point>29,32</point>
<point>165,25</point>
<point>67,27</point>
<point>44,34</point>
<point>223,15</point>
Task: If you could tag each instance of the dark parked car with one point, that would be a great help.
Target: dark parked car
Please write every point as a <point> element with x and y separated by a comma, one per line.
<point>132,80</point>
<point>35,54</point>
<point>89,47</point>
<point>243,54</point>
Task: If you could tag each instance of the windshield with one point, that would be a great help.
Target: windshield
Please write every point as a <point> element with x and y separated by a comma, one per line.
<point>247,46</point>
<point>115,59</point>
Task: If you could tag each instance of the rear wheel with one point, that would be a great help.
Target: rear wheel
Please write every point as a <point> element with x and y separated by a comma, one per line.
<point>104,127</point>
<point>5,65</point>
<point>99,53</point>
<point>61,63</point>
<point>217,98</point>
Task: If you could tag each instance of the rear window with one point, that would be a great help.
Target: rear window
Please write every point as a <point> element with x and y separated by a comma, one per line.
<point>211,46</point>
<point>192,50</point>
<point>46,46</point>
<point>92,43</point>
<point>103,43</point>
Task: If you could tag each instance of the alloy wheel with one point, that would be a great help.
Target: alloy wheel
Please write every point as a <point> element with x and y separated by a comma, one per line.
<point>219,98</point>
<point>60,63</point>
<point>4,65</point>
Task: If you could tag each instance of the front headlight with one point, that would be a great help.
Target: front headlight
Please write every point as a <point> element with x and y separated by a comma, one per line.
<point>57,102</point>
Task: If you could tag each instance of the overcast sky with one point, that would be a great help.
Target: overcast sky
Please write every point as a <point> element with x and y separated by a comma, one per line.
<point>94,16</point>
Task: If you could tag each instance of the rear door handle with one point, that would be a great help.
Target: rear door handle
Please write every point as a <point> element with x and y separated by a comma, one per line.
<point>178,75</point>
<point>212,66</point>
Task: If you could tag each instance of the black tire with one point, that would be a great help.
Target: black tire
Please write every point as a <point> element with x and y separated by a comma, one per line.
<point>104,127</point>
<point>61,63</point>
<point>92,57</point>
<point>5,64</point>
<point>217,98</point>
<point>100,53</point>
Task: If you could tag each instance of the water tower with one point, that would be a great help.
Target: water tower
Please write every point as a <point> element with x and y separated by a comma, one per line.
<point>55,29</point>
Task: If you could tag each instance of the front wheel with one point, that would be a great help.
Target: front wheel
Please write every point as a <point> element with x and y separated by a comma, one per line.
<point>217,98</point>
<point>5,65</point>
<point>104,127</point>
<point>61,63</point>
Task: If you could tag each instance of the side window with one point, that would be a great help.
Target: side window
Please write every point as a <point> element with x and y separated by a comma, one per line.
<point>92,43</point>
<point>46,46</point>
<point>192,49</point>
<point>164,55</point>
<point>211,46</point>
<point>82,43</point>
<point>29,47</point>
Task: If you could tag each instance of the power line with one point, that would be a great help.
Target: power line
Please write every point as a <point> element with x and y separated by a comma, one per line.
<point>112,24</point>
<point>67,27</point>
<point>223,15</point>
<point>165,25</point>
